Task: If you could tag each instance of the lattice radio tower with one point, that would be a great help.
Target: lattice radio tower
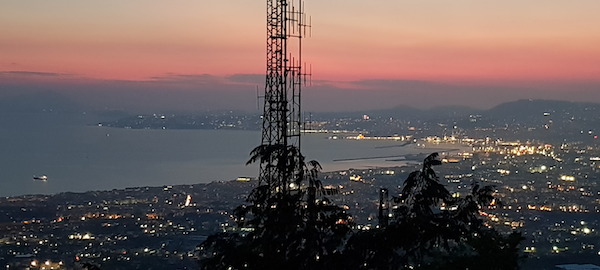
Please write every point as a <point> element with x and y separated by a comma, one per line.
<point>282,123</point>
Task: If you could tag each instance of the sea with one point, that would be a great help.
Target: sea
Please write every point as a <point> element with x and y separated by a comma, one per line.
<point>77,155</point>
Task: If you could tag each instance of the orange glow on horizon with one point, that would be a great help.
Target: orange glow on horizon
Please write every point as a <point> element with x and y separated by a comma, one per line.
<point>431,40</point>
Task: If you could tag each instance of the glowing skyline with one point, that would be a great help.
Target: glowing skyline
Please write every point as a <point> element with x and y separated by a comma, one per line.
<point>464,41</point>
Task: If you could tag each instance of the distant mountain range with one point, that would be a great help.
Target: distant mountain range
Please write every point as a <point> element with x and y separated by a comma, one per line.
<point>547,120</point>
<point>545,108</point>
<point>521,111</point>
<point>525,108</point>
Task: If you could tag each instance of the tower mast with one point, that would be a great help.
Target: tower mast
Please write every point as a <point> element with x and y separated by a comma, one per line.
<point>282,121</point>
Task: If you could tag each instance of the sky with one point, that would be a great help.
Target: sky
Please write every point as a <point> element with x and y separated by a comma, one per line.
<point>195,55</point>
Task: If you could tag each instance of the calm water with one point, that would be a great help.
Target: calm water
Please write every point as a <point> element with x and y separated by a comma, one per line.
<point>77,156</point>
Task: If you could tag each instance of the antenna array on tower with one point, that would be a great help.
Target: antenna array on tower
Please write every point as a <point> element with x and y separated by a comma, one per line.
<point>282,122</point>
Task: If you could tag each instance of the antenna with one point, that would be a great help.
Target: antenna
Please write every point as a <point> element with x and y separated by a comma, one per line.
<point>282,116</point>
<point>258,97</point>
<point>307,74</point>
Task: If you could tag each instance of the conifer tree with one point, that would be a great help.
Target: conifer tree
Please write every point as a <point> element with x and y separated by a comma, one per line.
<point>296,229</point>
<point>283,227</point>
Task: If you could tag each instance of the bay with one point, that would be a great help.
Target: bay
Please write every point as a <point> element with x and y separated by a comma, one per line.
<point>79,156</point>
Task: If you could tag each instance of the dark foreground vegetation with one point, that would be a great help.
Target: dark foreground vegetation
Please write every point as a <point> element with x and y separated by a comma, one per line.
<point>299,228</point>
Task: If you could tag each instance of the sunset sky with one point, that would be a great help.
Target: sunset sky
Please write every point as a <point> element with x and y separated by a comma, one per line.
<point>466,52</point>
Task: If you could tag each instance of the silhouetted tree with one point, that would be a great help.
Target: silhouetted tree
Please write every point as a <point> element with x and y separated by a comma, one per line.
<point>425,235</point>
<point>293,229</point>
<point>282,227</point>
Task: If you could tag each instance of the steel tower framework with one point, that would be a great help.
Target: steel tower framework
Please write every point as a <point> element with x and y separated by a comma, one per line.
<point>282,111</point>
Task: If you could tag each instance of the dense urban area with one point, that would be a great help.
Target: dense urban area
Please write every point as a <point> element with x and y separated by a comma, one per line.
<point>542,157</point>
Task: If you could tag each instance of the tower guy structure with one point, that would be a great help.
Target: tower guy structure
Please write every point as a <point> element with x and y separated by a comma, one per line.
<point>282,122</point>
